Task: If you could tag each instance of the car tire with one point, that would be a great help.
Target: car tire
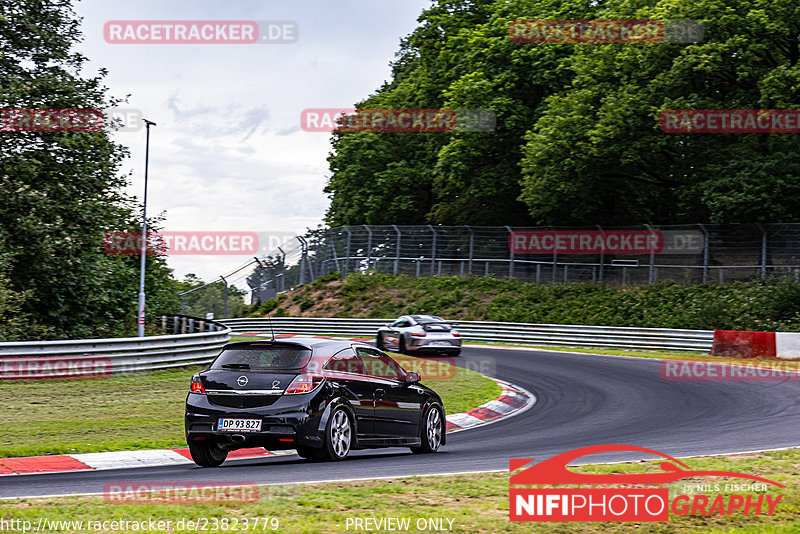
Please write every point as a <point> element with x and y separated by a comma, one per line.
<point>431,433</point>
<point>401,345</point>
<point>207,454</point>
<point>338,436</point>
<point>379,342</point>
<point>456,352</point>
<point>309,453</point>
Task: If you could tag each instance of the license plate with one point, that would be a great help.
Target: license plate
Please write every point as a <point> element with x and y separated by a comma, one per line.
<point>239,425</point>
<point>440,343</point>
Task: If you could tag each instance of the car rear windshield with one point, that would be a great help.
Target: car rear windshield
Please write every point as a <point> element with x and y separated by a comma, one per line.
<point>429,319</point>
<point>431,326</point>
<point>263,357</point>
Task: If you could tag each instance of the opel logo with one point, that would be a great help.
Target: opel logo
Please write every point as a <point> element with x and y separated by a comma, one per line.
<point>275,383</point>
<point>242,381</point>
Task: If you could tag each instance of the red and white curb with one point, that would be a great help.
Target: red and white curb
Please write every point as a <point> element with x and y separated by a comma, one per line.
<point>115,460</point>
<point>513,401</point>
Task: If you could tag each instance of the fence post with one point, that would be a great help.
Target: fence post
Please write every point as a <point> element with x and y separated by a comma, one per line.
<point>705,252</point>
<point>302,279</point>
<point>304,261</point>
<point>225,305</point>
<point>763,250</point>
<point>397,250</point>
<point>347,251</point>
<point>369,244</point>
<point>602,252</point>
<point>333,251</point>
<point>471,246</point>
<point>283,271</point>
<point>555,263</point>
<point>433,248</point>
<point>652,256</point>
<point>510,253</point>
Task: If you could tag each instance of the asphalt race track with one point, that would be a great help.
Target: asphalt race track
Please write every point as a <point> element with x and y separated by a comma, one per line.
<point>581,400</point>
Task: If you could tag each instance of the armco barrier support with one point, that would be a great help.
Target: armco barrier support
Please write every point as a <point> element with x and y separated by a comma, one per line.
<point>743,344</point>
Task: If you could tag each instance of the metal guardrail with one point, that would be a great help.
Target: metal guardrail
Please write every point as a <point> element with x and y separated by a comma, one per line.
<point>194,341</point>
<point>197,341</point>
<point>498,332</point>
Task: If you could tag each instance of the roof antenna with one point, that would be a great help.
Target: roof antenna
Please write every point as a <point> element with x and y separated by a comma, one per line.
<point>270,327</point>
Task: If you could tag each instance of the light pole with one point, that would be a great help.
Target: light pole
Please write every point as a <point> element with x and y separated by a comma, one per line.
<point>140,317</point>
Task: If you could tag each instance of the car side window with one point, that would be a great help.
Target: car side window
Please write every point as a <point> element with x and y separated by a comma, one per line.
<point>378,364</point>
<point>401,323</point>
<point>345,361</point>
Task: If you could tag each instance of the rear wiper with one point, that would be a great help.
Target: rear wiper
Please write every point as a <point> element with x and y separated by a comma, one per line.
<point>235,366</point>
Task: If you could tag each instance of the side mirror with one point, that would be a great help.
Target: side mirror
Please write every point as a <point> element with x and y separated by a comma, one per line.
<point>412,377</point>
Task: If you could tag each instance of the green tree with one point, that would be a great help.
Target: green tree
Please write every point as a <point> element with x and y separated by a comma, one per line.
<point>597,155</point>
<point>460,57</point>
<point>210,299</point>
<point>62,191</point>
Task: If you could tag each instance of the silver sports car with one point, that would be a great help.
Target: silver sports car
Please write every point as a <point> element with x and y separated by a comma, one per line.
<point>413,333</point>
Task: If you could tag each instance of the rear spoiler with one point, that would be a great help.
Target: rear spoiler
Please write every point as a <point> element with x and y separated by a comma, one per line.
<point>429,327</point>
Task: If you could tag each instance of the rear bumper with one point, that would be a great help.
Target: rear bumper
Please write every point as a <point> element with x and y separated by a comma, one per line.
<point>284,425</point>
<point>441,345</point>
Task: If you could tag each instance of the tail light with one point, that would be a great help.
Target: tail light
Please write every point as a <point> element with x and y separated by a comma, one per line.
<point>456,334</point>
<point>304,384</point>
<point>197,386</point>
<point>418,335</point>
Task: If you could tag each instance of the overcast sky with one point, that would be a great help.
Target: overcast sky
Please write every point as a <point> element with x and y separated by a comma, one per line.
<point>228,152</point>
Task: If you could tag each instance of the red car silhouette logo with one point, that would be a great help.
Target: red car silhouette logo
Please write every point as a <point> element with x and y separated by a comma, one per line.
<point>554,470</point>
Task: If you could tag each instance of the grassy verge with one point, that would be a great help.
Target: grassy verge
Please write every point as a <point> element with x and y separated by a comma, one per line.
<point>123,412</point>
<point>475,503</point>
<point>663,354</point>
<point>139,411</point>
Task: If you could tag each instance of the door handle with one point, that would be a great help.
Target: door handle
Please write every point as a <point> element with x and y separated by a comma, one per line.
<point>379,392</point>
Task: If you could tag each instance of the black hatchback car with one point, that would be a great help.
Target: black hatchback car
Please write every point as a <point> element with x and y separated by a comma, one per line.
<point>322,397</point>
